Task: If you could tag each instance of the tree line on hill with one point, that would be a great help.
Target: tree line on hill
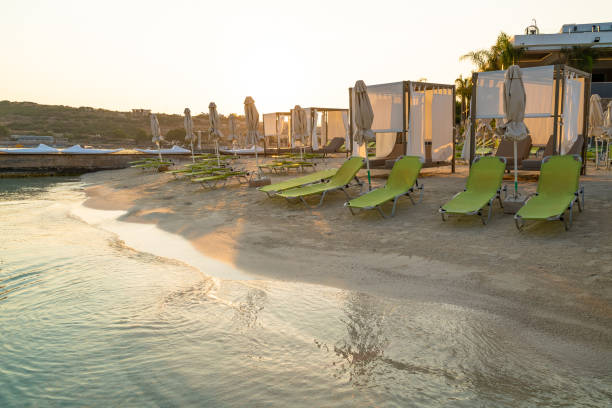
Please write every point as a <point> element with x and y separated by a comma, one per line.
<point>88,125</point>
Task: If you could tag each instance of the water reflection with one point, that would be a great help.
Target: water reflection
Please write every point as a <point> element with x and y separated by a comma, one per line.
<point>362,350</point>
<point>247,312</point>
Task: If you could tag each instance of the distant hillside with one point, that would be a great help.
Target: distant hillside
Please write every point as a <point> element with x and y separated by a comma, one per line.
<point>87,125</point>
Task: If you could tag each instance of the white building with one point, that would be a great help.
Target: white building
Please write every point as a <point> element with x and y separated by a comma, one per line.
<point>547,49</point>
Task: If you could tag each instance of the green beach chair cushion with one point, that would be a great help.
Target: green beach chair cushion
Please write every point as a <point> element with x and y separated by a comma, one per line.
<point>401,181</point>
<point>298,181</point>
<point>339,181</point>
<point>482,187</point>
<point>558,190</point>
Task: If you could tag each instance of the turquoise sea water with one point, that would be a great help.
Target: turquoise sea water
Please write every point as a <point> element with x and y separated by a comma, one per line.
<point>87,321</point>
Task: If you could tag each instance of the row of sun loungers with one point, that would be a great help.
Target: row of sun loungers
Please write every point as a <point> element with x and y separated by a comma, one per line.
<point>557,193</point>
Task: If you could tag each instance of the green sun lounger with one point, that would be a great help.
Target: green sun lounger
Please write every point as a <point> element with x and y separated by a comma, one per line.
<point>152,164</point>
<point>482,188</point>
<point>340,181</point>
<point>217,177</point>
<point>318,176</point>
<point>558,191</point>
<point>401,182</point>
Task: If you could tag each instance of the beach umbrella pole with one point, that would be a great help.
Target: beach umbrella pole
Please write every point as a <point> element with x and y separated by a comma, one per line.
<point>515,170</point>
<point>217,151</point>
<point>368,167</point>
<point>192,156</point>
<point>159,151</point>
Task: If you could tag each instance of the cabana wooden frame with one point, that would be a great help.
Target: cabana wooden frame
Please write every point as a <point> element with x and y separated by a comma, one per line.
<point>406,109</point>
<point>560,72</point>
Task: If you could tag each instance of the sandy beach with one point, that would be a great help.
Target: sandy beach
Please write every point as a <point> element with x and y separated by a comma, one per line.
<point>548,281</point>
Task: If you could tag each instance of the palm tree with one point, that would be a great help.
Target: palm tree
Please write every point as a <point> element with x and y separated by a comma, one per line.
<point>580,56</point>
<point>463,89</point>
<point>501,55</point>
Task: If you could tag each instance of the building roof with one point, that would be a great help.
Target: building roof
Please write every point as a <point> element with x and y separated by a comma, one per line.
<point>551,42</point>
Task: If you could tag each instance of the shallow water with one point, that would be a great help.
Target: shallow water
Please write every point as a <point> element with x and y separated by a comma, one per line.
<point>88,321</point>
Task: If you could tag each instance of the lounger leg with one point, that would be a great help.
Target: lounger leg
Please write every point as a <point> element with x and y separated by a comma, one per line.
<point>346,194</point>
<point>519,223</point>
<point>580,195</point>
<point>407,195</point>
<point>395,205</point>
<point>568,223</point>
<point>381,212</point>
<point>323,197</point>
<point>350,209</point>
<point>490,210</point>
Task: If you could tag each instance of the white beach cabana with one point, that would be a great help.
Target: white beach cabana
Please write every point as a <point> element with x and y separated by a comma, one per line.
<point>276,129</point>
<point>556,104</point>
<point>322,126</point>
<point>411,118</point>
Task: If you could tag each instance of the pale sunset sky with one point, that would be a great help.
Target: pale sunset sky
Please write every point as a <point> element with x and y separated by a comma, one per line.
<point>168,55</point>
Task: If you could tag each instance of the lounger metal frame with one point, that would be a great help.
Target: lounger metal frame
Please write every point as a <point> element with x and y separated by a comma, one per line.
<point>567,222</point>
<point>273,193</point>
<point>395,199</point>
<point>242,177</point>
<point>478,212</point>
<point>323,193</point>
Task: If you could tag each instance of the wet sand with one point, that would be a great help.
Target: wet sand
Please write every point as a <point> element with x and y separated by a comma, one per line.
<point>550,283</point>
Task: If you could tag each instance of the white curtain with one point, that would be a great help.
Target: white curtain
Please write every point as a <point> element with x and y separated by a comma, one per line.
<point>540,130</point>
<point>280,120</point>
<point>442,125</point>
<point>291,137</point>
<point>387,104</point>
<point>539,89</point>
<point>313,120</point>
<point>385,143</point>
<point>571,113</point>
<point>415,145</point>
<point>269,122</point>
<point>347,136</point>
<point>324,119</point>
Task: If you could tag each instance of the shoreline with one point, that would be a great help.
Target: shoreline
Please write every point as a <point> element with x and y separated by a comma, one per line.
<point>546,280</point>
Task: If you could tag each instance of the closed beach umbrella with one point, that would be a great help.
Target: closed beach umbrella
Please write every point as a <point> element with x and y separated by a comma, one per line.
<point>596,116</point>
<point>188,122</point>
<point>596,123</point>
<point>300,126</point>
<point>214,127</point>
<point>607,123</point>
<point>231,123</point>
<point>364,116</point>
<point>607,130</point>
<point>252,121</point>
<point>156,132</point>
<point>514,113</point>
<point>199,140</point>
